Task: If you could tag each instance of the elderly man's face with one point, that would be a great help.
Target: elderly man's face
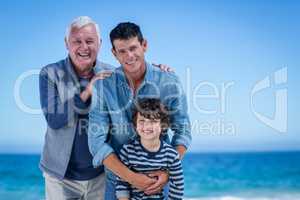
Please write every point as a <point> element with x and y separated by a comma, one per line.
<point>83,46</point>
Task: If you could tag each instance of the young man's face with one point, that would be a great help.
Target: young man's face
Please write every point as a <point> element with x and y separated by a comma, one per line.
<point>83,45</point>
<point>130,54</point>
<point>148,129</point>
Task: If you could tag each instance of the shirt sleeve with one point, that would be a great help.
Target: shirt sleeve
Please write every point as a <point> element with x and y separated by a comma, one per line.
<point>57,111</point>
<point>123,187</point>
<point>99,123</point>
<point>80,105</point>
<point>60,102</point>
<point>179,118</point>
<point>176,179</point>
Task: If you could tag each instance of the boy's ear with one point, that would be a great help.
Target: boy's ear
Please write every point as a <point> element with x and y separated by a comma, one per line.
<point>164,128</point>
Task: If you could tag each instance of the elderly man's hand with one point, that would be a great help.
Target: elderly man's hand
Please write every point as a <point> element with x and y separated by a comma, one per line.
<point>162,179</point>
<point>87,93</point>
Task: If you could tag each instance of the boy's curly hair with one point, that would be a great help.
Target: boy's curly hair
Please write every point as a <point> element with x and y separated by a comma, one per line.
<point>152,108</point>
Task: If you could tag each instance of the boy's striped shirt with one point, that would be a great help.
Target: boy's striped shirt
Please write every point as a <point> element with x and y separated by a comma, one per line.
<point>140,160</point>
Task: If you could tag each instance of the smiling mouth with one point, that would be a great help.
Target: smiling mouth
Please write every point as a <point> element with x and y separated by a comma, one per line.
<point>130,63</point>
<point>148,132</point>
<point>84,55</point>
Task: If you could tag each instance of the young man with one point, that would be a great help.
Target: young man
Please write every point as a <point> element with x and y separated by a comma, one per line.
<point>110,119</point>
<point>147,152</point>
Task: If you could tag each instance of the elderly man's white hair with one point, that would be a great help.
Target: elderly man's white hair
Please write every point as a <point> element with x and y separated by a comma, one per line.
<point>80,22</point>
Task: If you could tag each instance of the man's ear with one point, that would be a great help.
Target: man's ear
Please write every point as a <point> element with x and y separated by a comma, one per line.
<point>100,43</point>
<point>66,43</point>
<point>114,52</point>
<point>145,45</point>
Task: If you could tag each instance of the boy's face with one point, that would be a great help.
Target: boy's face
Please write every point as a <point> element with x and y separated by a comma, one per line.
<point>148,129</point>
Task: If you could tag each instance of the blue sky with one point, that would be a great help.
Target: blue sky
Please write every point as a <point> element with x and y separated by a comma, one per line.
<point>210,44</point>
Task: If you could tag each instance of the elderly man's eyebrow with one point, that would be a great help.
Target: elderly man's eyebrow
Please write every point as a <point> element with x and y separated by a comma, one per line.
<point>91,39</point>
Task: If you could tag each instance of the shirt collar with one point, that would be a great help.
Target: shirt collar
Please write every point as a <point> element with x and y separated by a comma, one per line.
<point>148,76</point>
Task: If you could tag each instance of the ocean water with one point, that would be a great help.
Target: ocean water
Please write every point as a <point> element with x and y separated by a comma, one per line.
<point>208,176</point>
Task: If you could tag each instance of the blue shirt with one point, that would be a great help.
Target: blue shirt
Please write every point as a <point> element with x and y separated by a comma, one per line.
<point>63,110</point>
<point>80,165</point>
<point>110,117</point>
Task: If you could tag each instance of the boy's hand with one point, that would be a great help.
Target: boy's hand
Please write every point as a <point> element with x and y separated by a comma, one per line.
<point>162,179</point>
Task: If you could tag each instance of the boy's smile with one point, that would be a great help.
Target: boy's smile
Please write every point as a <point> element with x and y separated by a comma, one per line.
<point>148,129</point>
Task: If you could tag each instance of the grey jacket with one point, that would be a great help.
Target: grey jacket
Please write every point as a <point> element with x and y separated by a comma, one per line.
<point>59,89</point>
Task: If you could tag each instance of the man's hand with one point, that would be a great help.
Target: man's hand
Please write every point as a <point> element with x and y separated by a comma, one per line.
<point>141,181</point>
<point>138,180</point>
<point>87,93</point>
<point>163,67</point>
<point>162,178</point>
<point>181,151</point>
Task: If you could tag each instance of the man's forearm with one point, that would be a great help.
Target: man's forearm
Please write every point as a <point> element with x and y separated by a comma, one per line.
<point>85,95</point>
<point>140,181</point>
<point>113,163</point>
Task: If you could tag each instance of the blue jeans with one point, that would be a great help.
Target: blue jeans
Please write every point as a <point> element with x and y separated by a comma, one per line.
<point>110,189</point>
<point>110,183</point>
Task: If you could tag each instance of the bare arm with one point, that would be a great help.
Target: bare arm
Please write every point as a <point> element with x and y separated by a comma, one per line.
<point>139,181</point>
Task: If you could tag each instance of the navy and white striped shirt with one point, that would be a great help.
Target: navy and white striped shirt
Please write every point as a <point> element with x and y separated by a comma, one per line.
<point>140,160</point>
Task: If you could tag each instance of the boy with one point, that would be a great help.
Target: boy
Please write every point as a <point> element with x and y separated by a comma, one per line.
<point>149,153</point>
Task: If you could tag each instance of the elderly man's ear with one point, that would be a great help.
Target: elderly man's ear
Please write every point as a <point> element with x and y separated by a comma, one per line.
<point>66,43</point>
<point>100,42</point>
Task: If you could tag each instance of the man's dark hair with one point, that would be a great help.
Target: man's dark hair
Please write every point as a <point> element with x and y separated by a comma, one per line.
<point>152,108</point>
<point>125,31</point>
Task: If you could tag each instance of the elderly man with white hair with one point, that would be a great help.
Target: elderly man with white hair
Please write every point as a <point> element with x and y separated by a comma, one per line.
<point>65,91</point>
<point>65,96</point>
